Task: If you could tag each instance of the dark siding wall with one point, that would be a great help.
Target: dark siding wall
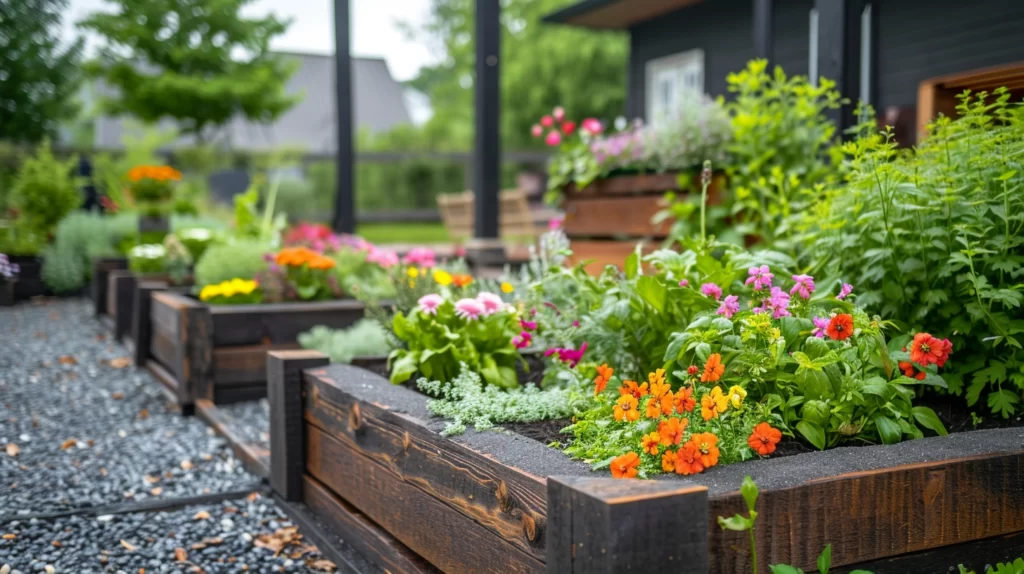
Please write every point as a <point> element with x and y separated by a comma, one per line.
<point>723,29</point>
<point>921,39</point>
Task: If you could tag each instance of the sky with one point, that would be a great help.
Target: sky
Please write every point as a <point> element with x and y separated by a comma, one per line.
<point>375,28</point>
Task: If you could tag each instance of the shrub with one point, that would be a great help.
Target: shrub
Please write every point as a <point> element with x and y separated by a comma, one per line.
<point>79,238</point>
<point>45,191</point>
<point>239,259</point>
<point>64,270</point>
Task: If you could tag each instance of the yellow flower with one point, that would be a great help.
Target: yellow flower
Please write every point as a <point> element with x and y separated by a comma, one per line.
<point>413,272</point>
<point>442,278</point>
<point>209,292</point>
<point>736,396</point>
<point>227,289</point>
<point>507,287</point>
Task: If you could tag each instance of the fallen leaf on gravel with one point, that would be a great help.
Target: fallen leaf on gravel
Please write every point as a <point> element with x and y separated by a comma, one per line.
<point>12,449</point>
<point>253,496</point>
<point>186,464</point>
<point>144,414</point>
<point>207,542</point>
<point>201,515</point>
<point>127,545</point>
<point>57,544</point>
<point>206,456</point>
<point>68,443</point>
<point>67,360</point>
<point>279,539</point>
<point>9,536</point>
<point>120,362</point>
<point>322,565</point>
<point>103,471</point>
<point>156,491</point>
<point>180,554</point>
<point>117,396</point>
<point>151,479</point>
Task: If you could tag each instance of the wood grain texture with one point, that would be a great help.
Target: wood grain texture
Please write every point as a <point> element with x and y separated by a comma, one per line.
<point>120,285</point>
<point>287,432</point>
<point>611,217</point>
<point>195,350</point>
<point>100,268</point>
<point>975,555</point>
<point>606,252</point>
<point>599,525</point>
<point>242,365</point>
<point>279,322</point>
<point>369,539</point>
<point>648,183</point>
<point>142,324</point>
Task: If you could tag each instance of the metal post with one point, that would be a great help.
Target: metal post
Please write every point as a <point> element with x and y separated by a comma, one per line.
<point>344,198</point>
<point>487,154</point>
<point>764,29</point>
<point>839,49</point>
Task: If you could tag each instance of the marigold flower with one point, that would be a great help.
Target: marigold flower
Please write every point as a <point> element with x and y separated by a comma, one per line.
<point>668,461</point>
<point>736,396</point>
<point>650,443</point>
<point>684,401</point>
<point>631,388</point>
<point>707,445</point>
<point>688,460</point>
<point>626,409</point>
<point>840,327</point>
<point>604,374</point>
<point>442,277</point>
<point>671,430</point>
<point>653,407</point>
<point>926,350</point>
<point>625,466</point>
<point>764,438</point>
<point>507,287</point>
<point>713,404</point>
<point>713,369</point>
<point>462,279</point>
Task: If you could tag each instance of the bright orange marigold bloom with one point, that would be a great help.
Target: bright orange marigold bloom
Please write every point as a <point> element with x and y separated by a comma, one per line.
<point>764,438</point>
<point>684,400</point>
<point>840,327</point>
<point>653,408</point>
<point>668,461</point>
<point>658,376</point>
<point>650,443</point>
<point>671,431</point>
<point>713,369</point>
<point>687,460</point>
<point>660,389</point>
<point>604,374</point>
<point>462,279</point>
<point>714,404</point>
<point>707,445</point>
<point>625,466</point>
<point>631,388</point>
<point>320,262</point>
<point>626,409</point>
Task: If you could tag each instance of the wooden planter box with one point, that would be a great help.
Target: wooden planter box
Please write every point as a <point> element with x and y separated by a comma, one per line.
<point>7,292</point>
<point>122,297</point>
<point>30,281</point>
<point>218,353</point>
<point>101,268</point>
<point>363,457</point>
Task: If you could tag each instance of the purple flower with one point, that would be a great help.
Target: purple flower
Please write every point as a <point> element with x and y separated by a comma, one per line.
<point>761,277</point>
<point>573,357</point>
<point>491,302</point>
<point>684,283</point>
<point>778,303</point>
<point>820,327</point>
<point>711,290</point>
<point>469,309</point>
<point>729,307</point>
<point>522,340</point>
<point>528,325</point>
<point>804,286</point>
<point>430,303</point>
<point>845,290</point>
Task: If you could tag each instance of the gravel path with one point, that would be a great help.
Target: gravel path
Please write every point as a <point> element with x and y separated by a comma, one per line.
<point>82,432</point>
<point>251,421</point>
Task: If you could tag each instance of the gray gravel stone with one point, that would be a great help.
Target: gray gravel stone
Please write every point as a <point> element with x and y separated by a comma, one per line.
<point>250,421</point>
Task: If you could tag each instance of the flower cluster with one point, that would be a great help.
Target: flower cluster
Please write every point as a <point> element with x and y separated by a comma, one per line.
<point>303,256</point>
<point>564,127</point>
<point>154,172</point>
<point>235,291</point>
<point>421,257</point>
<point>8,270</point>
<point>460,280</point>
<point>384,257</point>
<point>570,357</point>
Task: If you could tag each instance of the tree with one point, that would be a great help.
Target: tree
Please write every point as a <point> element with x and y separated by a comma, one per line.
<point>38,76</point>
<point>198,62</point>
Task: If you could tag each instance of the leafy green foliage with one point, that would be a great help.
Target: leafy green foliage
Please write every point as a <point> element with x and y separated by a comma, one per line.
<point>366,338</point>
<point>1015,567</point>
<point>81,237</point>
<point>45,190</point>
<point>41,73</point>
<point>200,62</point>
<point>242,258</point>
<point>147,259</point>
<point>933,239</point>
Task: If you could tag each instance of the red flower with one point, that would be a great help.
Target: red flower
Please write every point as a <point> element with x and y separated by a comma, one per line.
<point>927,350</point>
<point>947,350</point>
<point>909,371</point>
<point>568,128</point>
<point>692,370</point>
<point>840,327</point>
<point>764,438</point>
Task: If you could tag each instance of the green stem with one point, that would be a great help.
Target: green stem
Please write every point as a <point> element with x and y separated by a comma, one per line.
<point>753,552</point>
<point>703,212</point>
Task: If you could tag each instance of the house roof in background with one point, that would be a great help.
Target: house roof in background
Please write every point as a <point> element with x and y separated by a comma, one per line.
<point>615,14</point>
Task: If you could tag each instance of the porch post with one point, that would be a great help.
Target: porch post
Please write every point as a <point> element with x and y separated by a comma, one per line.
<point>486,152</point>
<point>344,196</point>
<point>764,29</point>
<point>839,53</point>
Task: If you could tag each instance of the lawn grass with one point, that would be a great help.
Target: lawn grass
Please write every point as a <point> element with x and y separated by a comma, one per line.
<point>403,232</point>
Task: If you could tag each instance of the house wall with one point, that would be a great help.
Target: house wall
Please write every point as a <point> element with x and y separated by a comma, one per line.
<point>723,29</point>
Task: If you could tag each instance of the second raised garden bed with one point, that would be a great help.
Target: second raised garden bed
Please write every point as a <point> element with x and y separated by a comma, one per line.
<point>364,457</point>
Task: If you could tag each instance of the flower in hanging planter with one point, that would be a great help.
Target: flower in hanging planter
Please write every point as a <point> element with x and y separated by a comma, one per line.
<point>553,139</point>
<point>729,307</point>
<point>625,466</point>
<point>844,291</point>
<point>761,277</point>
<point>804,286</point>
<point>711,290</point>
<point>764,438</point>
<point>491,302</point>
<point>592,126</point>
<point>537,130</point>
<point>840,327</point>
<point>820,327</point>
<point>713,369</point>
<point>428,304</point>
<point>469,309</point>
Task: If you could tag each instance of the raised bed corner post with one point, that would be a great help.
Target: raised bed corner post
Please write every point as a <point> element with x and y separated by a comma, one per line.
<point>142,327</point>
<point>344,198</point>
<point>195,354</point>
<point>287,426</point>
<point>605,526</point>
<point>843,45</point>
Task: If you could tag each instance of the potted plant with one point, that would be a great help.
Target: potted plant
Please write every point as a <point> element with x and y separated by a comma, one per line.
<point>8,277</point>
<point>152,190</point>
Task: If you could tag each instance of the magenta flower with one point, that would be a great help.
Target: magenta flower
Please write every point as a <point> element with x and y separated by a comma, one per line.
<point>778,303</point>
<point>820,327</point>
<point>528,325</point>
<point>729,307</point>
<point>555,223</point>
<point>491,302</point>
<point>522,340</point>
<point>711,290</point>
<point>383,257</point>
<point>592,126</point>
<point>804,286</point>
<point>761,277</point>
<point>430,303</point>
<point>845,290</point>
<point>573,357</point>
<point>684,283</point>
<point>559,113</point>
<point>421,257</point>
<point>469,309</point>
<point>537,130</point>
<point>576,323</point>
<point>547,121</point>
<point>554,138</point>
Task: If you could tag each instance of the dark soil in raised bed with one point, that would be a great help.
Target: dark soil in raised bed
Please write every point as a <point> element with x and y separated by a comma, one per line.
<point>545,432</point>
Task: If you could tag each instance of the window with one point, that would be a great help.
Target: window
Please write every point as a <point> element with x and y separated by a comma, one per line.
<point>671,81</point>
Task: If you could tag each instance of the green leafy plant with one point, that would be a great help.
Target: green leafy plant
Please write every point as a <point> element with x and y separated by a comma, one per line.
<point>366,338</point>
<point>196,240</point>
<point>45,191</point>
<point>1015,567</point>
<point>147,259</point>
<point>79,238</point>
<point>236,258</point>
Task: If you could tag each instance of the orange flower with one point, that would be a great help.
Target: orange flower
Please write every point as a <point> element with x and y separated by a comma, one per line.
<point>653,409</point>
<point>764,438</point>
<point>604,374</point>
<point>713,369</point>
<point>688,460</point>
<point>714,404</point>
<point>625,466</point>
<point>626,409</point>
<point>660,389</point>
<point>159,173</point>
<point>667,404</point>
<point>321,262</point>
<point>658,376</point>
<point>668,461</point>
<point>671,431</point>
<point>840,327</point>
<point>684,401</point>
<point>462,279</point>
<point>650,443</point>
<point>706,444</point>
<point>631,388</point>
<point>925,349</point>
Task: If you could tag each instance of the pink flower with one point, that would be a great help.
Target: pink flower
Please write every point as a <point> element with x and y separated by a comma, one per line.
<point>820,327</point>
<point>559,113</point>
<point>684,283</point>
<point>592,126</point>
<point>845,290</point>
<point>568,128</point>
<point>711,290</point>
<point>383,257</point>
<point>421,257</point>
<point>570,356</point>
<point>804,286</point>
<point>555,223</point>
<point>554,138</point>
<point>729,307</point>
<point>491,302</point>
<point>761,277</point>
<point>576,323</point>
<point>460,250</point>
<point>522,340</point>
<point>537,130</point>
<point>547,121</point>
<point>430,303</point>
<point>528,325</point>
<point>778,303</point>
<point>469,309</point>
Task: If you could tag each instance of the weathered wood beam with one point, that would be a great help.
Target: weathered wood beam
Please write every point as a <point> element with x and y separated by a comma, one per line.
<point>287,428</point>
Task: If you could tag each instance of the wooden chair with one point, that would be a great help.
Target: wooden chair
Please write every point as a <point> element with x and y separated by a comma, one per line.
<point>516,221</point>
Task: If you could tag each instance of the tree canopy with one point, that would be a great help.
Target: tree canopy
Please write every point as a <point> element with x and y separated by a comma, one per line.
<point>199,62</point>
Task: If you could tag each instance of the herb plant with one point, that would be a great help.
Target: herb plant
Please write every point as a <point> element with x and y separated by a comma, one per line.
<point>366,338</point>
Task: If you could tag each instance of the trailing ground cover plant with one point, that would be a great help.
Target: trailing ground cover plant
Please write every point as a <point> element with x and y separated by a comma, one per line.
<point>934,239</point>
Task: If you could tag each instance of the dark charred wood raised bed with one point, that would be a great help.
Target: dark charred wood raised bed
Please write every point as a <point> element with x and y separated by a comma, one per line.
<point>366,458</point>
<point>218,353</point>
<point>30,279</point>
<point>101,267</point>
<point>122,298</point>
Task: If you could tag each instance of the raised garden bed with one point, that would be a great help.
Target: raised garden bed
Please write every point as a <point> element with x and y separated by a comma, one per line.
<point>122,298</point>
<point>30,281</point>
<point>218,353</point>
<point>365,457</point>
<point>101,267</point>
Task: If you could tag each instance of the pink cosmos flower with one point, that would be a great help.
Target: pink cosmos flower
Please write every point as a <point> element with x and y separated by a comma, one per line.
<point>522,340</point>
<point>421,257</point>
<point>554,138</point>
<point>555,223</point>
<point>491,302</point>
<point>469,309</point>
<point>778,303</point>
<point>711,290</point>
<point>684,283</point>
<point>383,257</point>
<point>573,357</point>
<point>729,307</point>
<point>537,130</point>
<point>430,303</point>
<point>804,286</point>
<point>820,326</point>
<point>559,113</point>
<point>592,126</point>
<point>547,121</point>
<point>845,290</point>
<point>761,277</point>
<point>528,325</point>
